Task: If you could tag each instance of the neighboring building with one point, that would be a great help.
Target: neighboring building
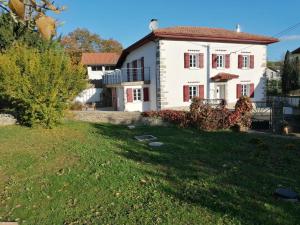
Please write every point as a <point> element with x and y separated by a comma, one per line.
<point>295,54</point>
<point>97,65</point>
<point>170,66</point>
<point>272,74</point>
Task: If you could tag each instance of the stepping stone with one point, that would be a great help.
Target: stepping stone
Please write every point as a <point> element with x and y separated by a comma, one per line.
<point>145,138</point>
<point>156,144</point>
<point>286,194</point>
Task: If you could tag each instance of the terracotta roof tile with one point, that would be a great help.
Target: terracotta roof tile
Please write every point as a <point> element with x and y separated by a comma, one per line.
<point>212,34</point>
<point>224,77</point>
<point>100,58</point>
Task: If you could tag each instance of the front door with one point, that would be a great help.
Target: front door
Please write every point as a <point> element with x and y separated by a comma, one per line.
<point>114,99</point>
<point>220,92</point>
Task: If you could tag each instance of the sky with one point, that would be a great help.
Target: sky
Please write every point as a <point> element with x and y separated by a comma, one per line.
<point>128,20</point>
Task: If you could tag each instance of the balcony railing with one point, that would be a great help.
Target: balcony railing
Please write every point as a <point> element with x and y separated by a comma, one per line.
<point>120,76</point>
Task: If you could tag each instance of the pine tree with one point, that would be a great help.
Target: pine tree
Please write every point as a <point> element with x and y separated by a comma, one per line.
<point>286,73</point>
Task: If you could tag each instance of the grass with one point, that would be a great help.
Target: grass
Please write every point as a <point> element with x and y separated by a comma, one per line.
<point>81,173</point>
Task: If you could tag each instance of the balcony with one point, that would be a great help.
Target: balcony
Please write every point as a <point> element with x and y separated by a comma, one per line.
<point>127,75</point>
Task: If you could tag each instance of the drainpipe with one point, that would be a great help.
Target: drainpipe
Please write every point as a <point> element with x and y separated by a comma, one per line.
<point>208,72</point>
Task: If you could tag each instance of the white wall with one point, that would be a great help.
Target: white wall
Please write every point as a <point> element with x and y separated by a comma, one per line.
<point>96,75</point>
<point>135,106</point>
<point>90,95</point>
<point>177,76</point>
<point>148,51</point>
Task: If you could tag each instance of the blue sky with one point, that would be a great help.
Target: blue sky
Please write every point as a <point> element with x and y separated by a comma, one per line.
<point>127,21</point>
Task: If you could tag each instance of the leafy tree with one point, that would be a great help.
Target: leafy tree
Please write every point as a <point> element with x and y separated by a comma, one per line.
<point>111,45</point>
<point>32,13</point>
<point>11,32</point>
<point>39,84</point>
<point>82,40</point>
<point>290,75</point>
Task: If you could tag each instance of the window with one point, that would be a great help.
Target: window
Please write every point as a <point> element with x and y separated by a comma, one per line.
<point>137,94</point>
<point>97,68</point>
<point>109,68</point>
<point>193,61</point>
<point>220,61</point>
<point>193,92</point>
<point>246,61</point>
<point>246,90</point>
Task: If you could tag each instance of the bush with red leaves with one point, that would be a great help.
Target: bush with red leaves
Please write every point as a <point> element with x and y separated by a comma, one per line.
<point>208,118</point>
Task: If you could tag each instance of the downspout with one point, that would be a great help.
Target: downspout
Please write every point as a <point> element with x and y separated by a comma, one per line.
<point>208,72</point>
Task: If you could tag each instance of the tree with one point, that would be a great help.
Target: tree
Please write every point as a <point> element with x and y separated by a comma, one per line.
<point>290,74</point>
<point>11,32</point>
<point>39,84</point>
<point>32,14</point>
<point>111,45</point>
<point>82,40</point>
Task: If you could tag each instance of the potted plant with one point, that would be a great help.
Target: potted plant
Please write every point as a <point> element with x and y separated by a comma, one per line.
<point>285,127</point>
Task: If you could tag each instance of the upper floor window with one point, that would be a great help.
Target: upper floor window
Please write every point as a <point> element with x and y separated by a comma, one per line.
<point>107,68</point>
<point>220,61</point>
<point>193,91</point>
<point>137,94</point>
<point>246,61</point>
<point>96,68</point>
<point>193,61</point>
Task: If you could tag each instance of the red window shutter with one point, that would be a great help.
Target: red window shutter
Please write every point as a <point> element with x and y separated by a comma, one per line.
<point>240,62</point>
<point>186,60</point>
<point>186,93</point>
<point>129,95</point>
<point>201,60</point>
<point>251,61</point>
<point>252,90</point>
<point>128,72</point>
<point>238,90</point>
<point>146,94</point>
<point>143,68</point>
<point>201,91</point>
<point>134,63</point>
<point>227,61</point>
<point>214,61</point>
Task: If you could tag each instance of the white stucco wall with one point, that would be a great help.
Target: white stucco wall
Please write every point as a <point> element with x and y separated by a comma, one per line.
<point>148,51</point>
<point>177,76</point>
<point>96,75</point>
<point>90,95</point>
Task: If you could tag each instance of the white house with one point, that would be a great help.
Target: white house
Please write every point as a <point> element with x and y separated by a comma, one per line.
<point>97,65</point>
<point>168,67</point>
<point>273,74</point>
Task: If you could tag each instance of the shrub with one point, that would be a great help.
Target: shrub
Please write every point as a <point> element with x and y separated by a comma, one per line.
<point>172,116</point>
<point>209,118</point>
<point>38,84</point>
<point>206,117</point>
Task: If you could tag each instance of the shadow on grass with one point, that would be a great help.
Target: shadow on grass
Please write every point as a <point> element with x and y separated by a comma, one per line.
<point>222,171</point>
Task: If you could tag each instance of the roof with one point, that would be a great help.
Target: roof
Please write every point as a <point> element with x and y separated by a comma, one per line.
<point>272,68</point>
<point>224,77</point>
<point>297,51</point>
<point>100,58</point>
<point>188,33</point>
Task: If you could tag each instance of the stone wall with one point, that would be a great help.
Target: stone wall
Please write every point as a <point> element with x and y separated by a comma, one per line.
<point>7,119</point>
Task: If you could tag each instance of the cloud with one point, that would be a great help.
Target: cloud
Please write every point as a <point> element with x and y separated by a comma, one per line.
<point>295,37</point>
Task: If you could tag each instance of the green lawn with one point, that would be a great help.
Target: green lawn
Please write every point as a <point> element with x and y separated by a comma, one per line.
<point>83,173</point>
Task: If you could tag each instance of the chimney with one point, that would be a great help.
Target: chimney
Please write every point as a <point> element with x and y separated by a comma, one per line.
<point>153,25</point>
<point>238,28</point>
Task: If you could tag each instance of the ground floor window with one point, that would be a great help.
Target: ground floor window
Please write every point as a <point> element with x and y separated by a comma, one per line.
<point>246,90</point>
<point>193,92</point>
<point>137,94</point>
